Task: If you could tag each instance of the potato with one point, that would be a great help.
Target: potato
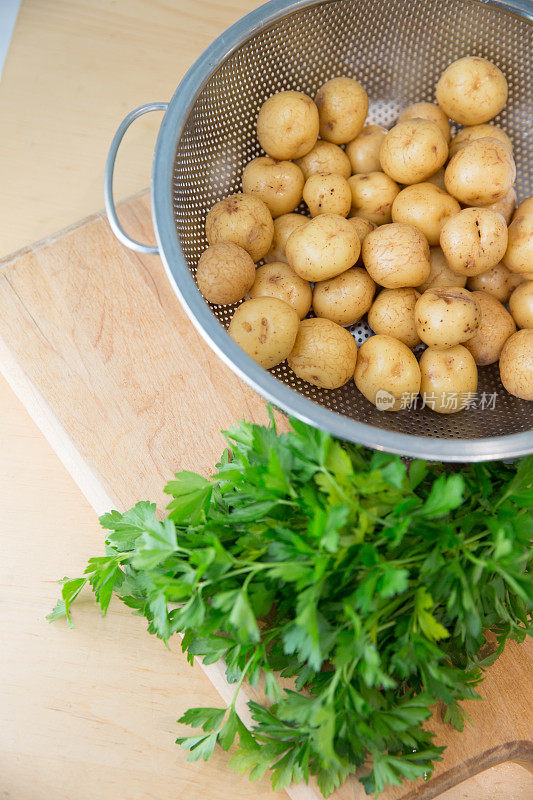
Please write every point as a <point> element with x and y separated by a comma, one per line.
<point>345,298</point>
<point>225,273</point>
<point>446,316</point>
<point>325,157</point>
<point>397,255</point>
<point>279,184</point>
<point>516,364</point>
<point>474,240</point>
<point>387,373</point>
<point>448,378</point>
<point>437,179</point>
<point>324,354</point>
<point>497,281</point>
<point>521,305</point>
<point>373,194</point>
<point>342,106</point>
<point>363,227</point>
<point>283,227</point>
<point>363,151</point>
<point>473,132</point>
<point>279,280</point>
<point>471,90</point>
<point>480,173</point>
<point>426,207</point>
<point>393,313</point>
<point>413,150</point>
<point>243,220</point>
<point>441,274</point>
<point>525,207</point>
<point>505,205</point>
<point>519,254</point>
<point>326,246</point>
<point>265,328</point>
<point>428,111</point>
<point>327,194</point>
<point>495,327</point>
<point>287,125</point>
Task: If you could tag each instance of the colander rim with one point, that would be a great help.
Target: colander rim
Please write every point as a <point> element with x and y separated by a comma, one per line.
<point>177,270</point>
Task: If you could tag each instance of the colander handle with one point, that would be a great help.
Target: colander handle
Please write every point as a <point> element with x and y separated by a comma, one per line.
<point>110,207</point>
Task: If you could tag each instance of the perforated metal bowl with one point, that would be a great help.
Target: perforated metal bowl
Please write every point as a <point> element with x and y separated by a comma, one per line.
<point>397,49</point>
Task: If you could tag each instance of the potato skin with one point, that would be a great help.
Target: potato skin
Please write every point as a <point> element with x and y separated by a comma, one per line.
<point>345,298</point>
<point>342,106</point>
<point>521,305</point>
<point>243,220</point>
<point>283,227</point>
<point>413,150</point>
<point>495,327</point>
<point>279,184</point>
<point>519,254</point>
<point>397,255</point>
<point>497,281</point>
<point>474,240</point>
<point>327,194</point>
<point>441,274</point>
<point>447,316</point>
<point>516,364</point>
<point>473,132</point>
<point>225,273</point>
<point>437,179</point>
<point>363,151</point>
<point>431,112</point>
<point>480,173</point>
<point>386,366</point>
<point>393,313</point>
<point>525,207</point>
<point>472,90</point>
<point>325,157</point>
<point>426,207</point>
<point>373,194</point>
<point>287,125</point>
<point>324,354</point>
<point>447,377</point>
<point>326,246</point>
<point>505,205</point>
<point>277,279</point>
<point>266,329</point>
<point>362,226</point>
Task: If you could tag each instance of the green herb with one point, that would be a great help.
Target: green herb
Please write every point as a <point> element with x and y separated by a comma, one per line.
<point>367,581</point>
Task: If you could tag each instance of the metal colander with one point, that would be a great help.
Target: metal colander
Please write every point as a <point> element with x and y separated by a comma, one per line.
<point>397,49</point>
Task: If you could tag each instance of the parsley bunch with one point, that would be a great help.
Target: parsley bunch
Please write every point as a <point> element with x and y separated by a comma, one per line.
<point>370,583</point>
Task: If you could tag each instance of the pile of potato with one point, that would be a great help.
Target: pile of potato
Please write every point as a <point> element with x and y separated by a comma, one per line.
<point>408,226</point>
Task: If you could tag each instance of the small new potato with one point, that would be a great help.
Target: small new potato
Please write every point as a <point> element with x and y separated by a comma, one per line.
<point>322,248</point>
<point>287,125</point>
<point>363,227</point>
<point>426,207</point>
<point>447,316</point>
<point>413,150</point>
<point>279,184</point>
<point>397,255</point>
<point>480,173</point>
<point>327,194</point>
<point>324,354</point>
<point>342,106</point>
<point>373,194</point>
<point>428,111</point>
<point>345,298</point>
<point>387,373</point>
<point>495,327</point>
<point>473,132</point>
<point>497,281</point>
<point>437,179</point>
<point>363,151</point>
<point>277,279</point>
<point>472,90</point>
<point>243,220</point>
<point>441,274</point>
<point>225,273</point>
<point>525,207</point>
<point>521,305</point>
<point>266,329</point>
<point>283,227</point>
<point>448,378</point>
<point>325,157</point>
<point>474,240</point>
<point>505,205</point>
<point>393,313</point>
<point>519,254</point>
<point>516,364</point>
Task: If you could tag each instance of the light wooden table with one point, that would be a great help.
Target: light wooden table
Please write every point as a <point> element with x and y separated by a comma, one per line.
<point>68,726</point>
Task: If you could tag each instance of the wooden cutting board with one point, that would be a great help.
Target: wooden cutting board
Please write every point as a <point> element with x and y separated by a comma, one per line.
<point>95,343</point>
